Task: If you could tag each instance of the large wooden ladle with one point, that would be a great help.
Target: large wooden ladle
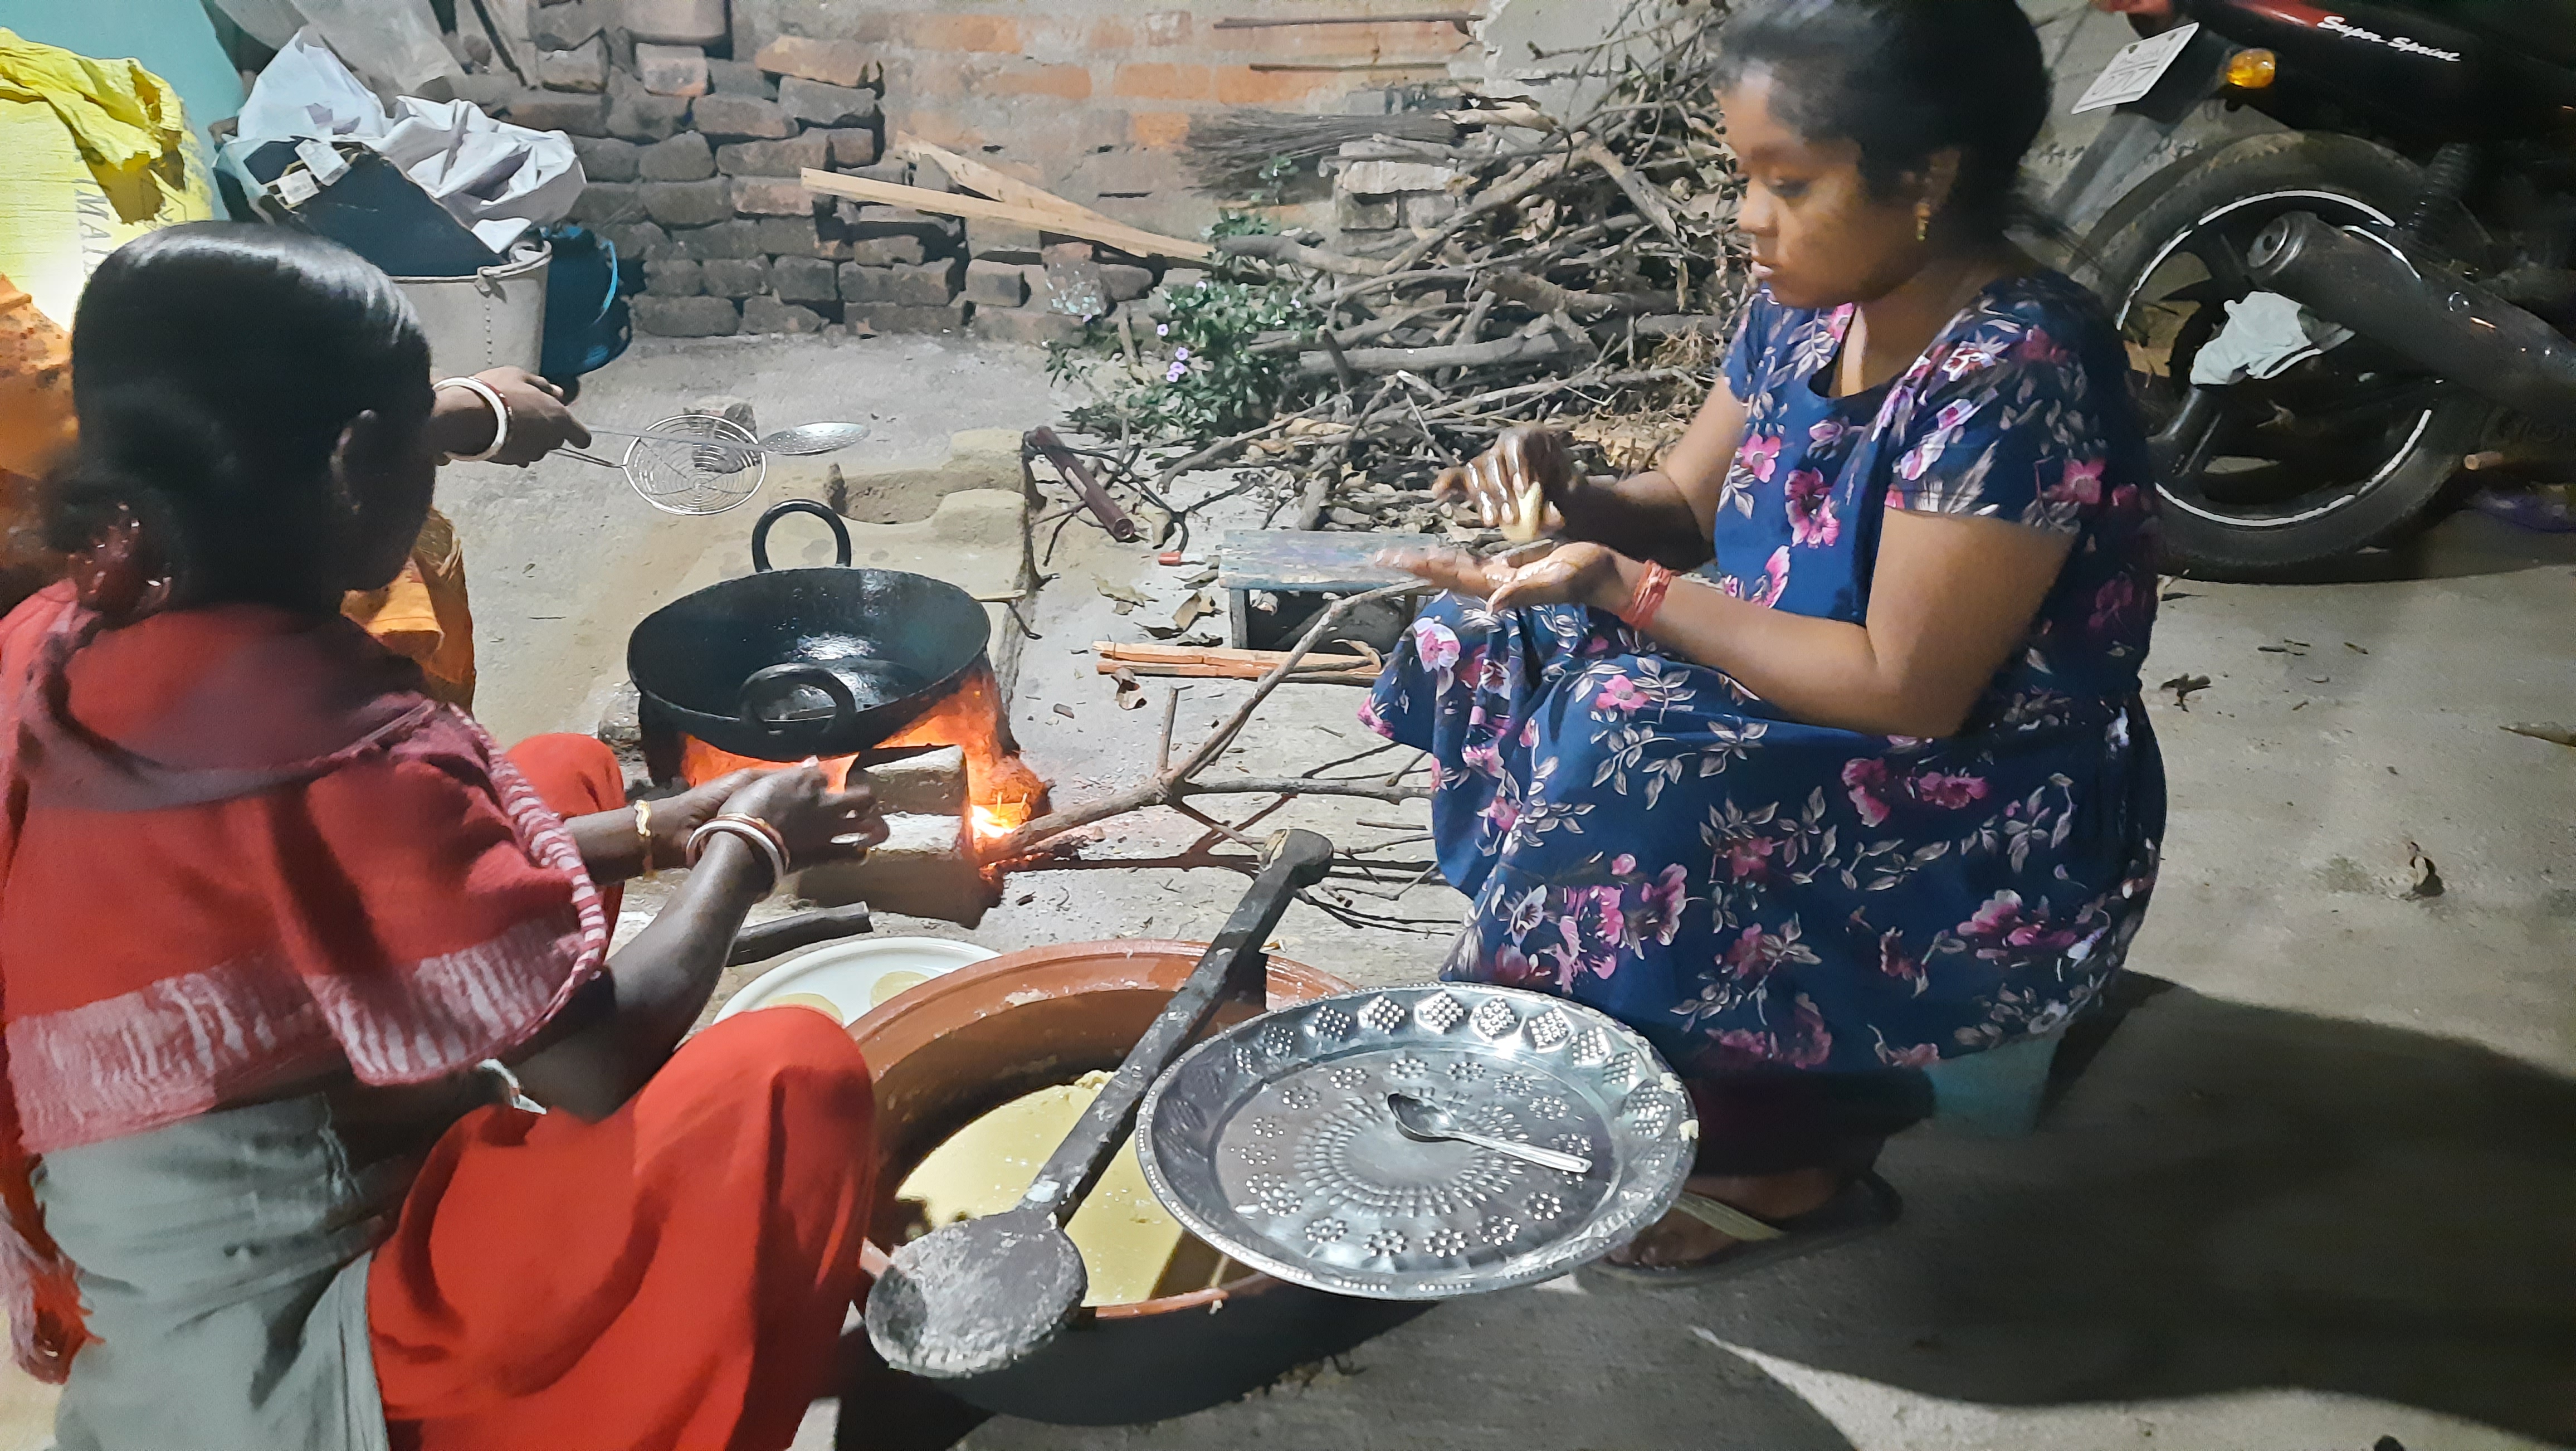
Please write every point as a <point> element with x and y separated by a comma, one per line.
<point>979,1295</point>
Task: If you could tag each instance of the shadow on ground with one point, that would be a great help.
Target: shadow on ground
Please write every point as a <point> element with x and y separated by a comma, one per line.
<point>2230,1198</point>
<point>2233,1198</point>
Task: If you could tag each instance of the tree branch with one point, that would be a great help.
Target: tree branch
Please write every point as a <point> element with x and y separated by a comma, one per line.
<point>1176,783</point>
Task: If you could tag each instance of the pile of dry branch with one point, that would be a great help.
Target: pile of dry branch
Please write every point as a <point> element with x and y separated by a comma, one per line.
<point>1588,276</point>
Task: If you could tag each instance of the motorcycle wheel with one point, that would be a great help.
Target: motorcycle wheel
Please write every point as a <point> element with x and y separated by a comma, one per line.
<point>2343,451</point>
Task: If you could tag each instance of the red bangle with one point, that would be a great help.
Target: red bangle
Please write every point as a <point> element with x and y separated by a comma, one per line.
<point>1647,600</point>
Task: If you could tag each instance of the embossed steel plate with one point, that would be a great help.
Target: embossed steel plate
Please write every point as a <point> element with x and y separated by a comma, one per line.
<point>1273,1141</point>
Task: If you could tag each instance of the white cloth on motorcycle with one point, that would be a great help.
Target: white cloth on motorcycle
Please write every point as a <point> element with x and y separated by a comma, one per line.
<point>2265,334</point>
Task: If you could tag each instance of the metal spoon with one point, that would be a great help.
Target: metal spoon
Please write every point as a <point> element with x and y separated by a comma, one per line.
<point>806,438</point>
<point>1429,1123</point>
<point>982,1293</point>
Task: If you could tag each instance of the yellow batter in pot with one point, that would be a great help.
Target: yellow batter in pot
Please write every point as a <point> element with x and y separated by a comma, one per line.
<point>1132,1248</point>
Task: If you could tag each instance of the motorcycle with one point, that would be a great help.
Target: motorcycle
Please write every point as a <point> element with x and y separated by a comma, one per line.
<point>2327,322</point>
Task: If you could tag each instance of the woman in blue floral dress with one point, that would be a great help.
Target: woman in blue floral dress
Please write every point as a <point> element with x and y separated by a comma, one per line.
<point>1871,787</point>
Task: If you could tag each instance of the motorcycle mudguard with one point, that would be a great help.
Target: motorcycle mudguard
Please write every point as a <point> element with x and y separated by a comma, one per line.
<point>2131,143</point>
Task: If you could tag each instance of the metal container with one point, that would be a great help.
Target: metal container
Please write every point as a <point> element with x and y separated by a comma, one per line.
<point>782,664</point>
<point>1277,1141</point>
<point>495,318</point>
<point>964,1043</point>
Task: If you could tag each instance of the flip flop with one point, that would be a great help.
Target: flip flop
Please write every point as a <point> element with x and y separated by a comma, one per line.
<point>1866,1204</point>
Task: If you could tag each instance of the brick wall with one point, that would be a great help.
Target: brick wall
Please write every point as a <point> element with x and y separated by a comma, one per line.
<point>692,141</point>
<point>1093,99</point>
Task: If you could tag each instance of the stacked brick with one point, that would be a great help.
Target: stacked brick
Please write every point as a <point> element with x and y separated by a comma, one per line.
<point>702,190</point>
<point>696,179</point>
<point>1094,99</point>
<point>1383,190</point>
<point>1038,288</point>
<point>693,117</point>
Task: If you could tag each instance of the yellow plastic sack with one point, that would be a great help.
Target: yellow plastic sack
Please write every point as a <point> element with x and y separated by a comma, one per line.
<point>93,153</point>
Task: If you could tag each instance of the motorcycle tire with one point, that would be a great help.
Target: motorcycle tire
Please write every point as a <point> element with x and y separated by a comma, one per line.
<point>2326,173</point>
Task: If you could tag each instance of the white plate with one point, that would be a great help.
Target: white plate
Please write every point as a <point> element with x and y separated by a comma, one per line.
<point>851,974</point>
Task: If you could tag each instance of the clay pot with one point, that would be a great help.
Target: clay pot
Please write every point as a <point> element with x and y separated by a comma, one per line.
<point>964,1043</point>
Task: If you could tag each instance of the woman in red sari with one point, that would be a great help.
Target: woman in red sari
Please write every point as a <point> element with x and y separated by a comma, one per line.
<point>270,917</point>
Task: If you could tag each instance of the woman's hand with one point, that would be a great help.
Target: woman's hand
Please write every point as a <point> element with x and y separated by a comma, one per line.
<point>1514,484</point>
<point>818,823</point>
<point>615,1034</point>
<point>1569,574</point>
<point>460,422</point>
<point>675,818</point>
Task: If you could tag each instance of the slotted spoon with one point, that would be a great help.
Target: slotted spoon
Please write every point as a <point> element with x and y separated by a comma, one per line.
<point>700,464</point>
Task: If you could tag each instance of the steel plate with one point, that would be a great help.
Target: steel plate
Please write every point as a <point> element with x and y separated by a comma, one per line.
<point>1273,1141</point>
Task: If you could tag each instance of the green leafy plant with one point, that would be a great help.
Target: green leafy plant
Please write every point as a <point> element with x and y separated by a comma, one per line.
<point>1273,187</point>
<point>1241,224</point>
<point>1204,379</point>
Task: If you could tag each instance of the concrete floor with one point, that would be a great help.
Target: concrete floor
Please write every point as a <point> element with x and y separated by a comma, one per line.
<point>2314,1191</point>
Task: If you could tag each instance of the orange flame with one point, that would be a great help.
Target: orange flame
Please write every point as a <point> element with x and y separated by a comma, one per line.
<point>1000,819</point>
<point>701,763</point>
<point>1004,793</point>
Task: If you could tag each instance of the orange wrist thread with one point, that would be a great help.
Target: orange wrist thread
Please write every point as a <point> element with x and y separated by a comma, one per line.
<point>1647,599</point>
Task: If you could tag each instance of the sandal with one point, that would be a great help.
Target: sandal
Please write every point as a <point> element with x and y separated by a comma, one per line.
<point>1866,1204</point>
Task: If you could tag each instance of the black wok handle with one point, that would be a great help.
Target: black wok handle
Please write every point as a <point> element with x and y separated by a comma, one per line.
<point>1294,861</point>
<point>804,929</point>
<point>797,672</point>
<point>760,531</point>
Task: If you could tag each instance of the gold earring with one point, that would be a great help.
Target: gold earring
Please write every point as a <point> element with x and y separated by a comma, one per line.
<point>1923,221</point>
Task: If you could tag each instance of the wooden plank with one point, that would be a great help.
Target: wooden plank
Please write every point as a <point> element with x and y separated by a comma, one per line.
<point>1224,670</point>
<point>1210,655</point>
<point>1351,65</point>
<point>920,199</point>
<point>1307,561</point>
<point>1139,669</point>
<point>1460,18</point>
<point>1000,186</point>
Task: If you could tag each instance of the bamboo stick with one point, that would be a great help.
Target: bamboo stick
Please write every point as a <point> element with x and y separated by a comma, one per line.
<point>921,199</point>
<point>1000,186</point>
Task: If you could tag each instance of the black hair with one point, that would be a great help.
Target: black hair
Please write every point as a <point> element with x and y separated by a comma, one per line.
<point>214,367</point>
<point>1903,79</point>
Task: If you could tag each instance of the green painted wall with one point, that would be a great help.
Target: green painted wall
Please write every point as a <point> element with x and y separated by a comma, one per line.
<point>173,38</point>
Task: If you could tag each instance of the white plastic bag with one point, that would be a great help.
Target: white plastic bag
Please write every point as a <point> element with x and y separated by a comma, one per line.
<point>499,180</point>
<point>307,91</point>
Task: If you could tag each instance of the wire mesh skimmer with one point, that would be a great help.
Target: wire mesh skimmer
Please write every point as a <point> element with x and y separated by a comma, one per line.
<point>690,463</point>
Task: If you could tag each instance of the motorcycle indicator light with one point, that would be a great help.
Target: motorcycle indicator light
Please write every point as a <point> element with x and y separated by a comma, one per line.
<point>2252,70</point>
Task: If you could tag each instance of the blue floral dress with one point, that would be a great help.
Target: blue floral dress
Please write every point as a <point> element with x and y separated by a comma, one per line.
<point>1645,835</point>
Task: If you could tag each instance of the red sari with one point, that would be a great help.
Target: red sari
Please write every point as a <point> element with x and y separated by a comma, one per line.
<point>243,853</point>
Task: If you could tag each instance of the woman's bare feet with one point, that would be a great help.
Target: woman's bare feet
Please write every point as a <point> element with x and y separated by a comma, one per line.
<point>1678,1239</point>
